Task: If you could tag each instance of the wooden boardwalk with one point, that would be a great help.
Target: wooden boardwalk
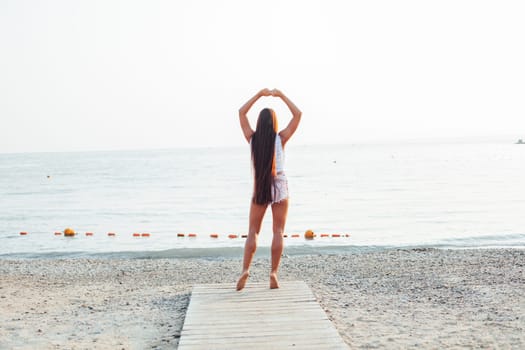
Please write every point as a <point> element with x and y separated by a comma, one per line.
<point>257,317</point>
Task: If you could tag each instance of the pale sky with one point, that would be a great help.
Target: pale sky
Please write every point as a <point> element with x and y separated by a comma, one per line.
<point>97,75</point>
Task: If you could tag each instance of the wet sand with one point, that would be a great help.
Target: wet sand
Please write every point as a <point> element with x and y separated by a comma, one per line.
<point>394,299</point>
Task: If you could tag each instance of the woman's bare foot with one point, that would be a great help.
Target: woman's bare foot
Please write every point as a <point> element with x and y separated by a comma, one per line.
<point>242,280</point>
<point>274,284</point>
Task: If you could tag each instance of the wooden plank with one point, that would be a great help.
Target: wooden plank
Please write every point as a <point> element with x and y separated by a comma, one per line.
<point>257,317</point>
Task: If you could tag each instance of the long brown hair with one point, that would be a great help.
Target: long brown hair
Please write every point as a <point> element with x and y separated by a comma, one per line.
<point>263,156</point>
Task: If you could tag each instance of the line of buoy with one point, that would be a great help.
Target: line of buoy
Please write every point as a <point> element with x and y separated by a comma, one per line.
<point>309,234</point>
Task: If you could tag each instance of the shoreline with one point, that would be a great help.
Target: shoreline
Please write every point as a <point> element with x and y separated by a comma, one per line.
<point>398,298</point>
<point>236,252</point>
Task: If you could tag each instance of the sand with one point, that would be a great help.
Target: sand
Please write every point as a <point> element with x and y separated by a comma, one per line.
<point>394,299</point>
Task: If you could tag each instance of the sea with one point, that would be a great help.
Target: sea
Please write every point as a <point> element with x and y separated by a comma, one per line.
<point>355,198</point>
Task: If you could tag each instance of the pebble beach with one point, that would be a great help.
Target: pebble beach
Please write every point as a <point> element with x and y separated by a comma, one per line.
<point>390,299</point>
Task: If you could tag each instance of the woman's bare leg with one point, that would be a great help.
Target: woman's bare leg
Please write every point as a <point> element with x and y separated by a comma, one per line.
<point>256,217</point>
<point>279,212</point>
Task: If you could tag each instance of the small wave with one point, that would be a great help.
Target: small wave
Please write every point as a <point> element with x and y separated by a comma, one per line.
<point>507,240</point>
<point>516,241</point>
<point>190,253</point>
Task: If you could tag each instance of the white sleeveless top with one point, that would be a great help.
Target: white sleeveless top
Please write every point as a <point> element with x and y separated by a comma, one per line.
<point>279,155</point>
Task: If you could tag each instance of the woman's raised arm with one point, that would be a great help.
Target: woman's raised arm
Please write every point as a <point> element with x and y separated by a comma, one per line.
<point>243,111</point>
<point>287,132</point>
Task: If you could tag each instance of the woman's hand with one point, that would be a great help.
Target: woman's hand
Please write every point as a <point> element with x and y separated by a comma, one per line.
<point>276,93</point>
<point>265,92</point>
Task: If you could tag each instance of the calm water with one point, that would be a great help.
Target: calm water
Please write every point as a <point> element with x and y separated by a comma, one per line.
<point>441,195</point>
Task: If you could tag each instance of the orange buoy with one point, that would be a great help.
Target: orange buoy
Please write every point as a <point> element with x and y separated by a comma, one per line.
<point>112,234</point>
<point>69,232</point>
<point>180,234</point>
<point>136,235</point>
<point>309,234</point>
<point>23,233</point>
<point>295,236</point>
<point>232,236</point>
<point>58,233</point>
<point>145,235</point>
<point>336,235</point>
<point>192,235</point>
<point>89,233</point>
<point>214,235</point>
<point>325,235</point>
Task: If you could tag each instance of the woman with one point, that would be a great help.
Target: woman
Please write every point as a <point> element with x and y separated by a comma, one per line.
<point>270,184</point>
